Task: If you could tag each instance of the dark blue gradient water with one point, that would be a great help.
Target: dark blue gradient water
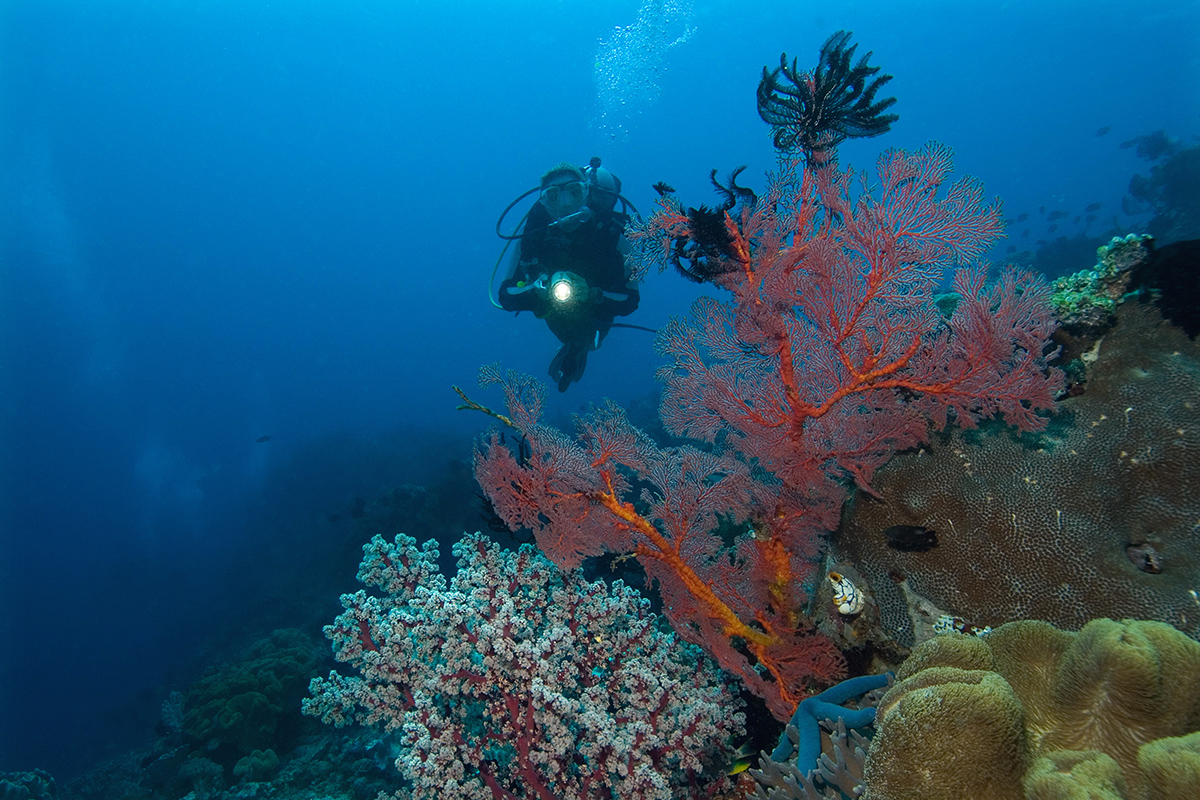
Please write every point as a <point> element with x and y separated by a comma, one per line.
<point>227,220</point>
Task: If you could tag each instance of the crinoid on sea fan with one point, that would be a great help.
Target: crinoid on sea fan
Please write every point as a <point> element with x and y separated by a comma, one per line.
<point>731,192</point>
<point>705,252</point>
<point>815,111</point>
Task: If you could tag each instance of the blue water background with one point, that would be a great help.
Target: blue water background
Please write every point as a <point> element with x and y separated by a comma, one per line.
<point>224,220</point>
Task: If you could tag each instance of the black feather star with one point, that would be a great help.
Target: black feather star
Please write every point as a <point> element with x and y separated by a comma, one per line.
<point>706,252</point>
<point>731,192</point>
<point>813,112</point>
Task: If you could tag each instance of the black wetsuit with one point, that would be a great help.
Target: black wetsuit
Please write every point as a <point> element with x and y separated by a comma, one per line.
<point>590,251</point>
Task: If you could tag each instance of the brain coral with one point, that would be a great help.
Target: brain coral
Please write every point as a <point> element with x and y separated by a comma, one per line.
<point>1029,711</point>
<point>1098,516</point>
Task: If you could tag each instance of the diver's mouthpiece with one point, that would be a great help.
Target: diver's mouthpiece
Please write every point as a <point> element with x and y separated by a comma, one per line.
<point>578,218</point>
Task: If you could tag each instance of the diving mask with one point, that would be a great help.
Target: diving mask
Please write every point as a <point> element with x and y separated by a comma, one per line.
<point>564,199</point>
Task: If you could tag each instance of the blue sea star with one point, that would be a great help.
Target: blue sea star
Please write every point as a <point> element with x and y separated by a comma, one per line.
<point>827,705</point>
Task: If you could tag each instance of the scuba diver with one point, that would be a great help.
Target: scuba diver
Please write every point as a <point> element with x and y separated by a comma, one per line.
<point>569,268</point>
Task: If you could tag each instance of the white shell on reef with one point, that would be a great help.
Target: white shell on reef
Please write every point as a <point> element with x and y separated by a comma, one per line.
<point>846,596</point>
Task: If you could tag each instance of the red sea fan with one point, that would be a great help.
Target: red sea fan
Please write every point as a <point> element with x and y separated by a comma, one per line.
<point>833,354</point>
<point>830,356</point>
<point>666,506</point>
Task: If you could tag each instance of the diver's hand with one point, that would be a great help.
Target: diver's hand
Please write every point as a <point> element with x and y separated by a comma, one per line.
<point>595,295</point>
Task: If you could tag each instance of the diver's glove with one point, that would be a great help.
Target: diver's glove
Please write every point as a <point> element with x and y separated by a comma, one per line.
<point>539,288</point>
<point>595,295</point>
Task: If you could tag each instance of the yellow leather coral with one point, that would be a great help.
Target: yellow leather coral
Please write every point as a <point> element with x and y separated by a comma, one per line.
<point>1029,712</point>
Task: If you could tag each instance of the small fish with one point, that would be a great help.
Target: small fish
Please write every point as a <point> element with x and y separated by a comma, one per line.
<point>910,538</point>
<point>1022,218</point>
<point>1104,130</point>
<point>1090,218</point>
<point>1145,557</point>
<point>262,439</point>
<point>663,188</point>
<point>1052,228</point>
<point>1092,207</point>
<point>1076,220</point>
<point>488,513</point>
<point>1042,243</point>
<point>1053,215</point>
<point>1041,209</point>
<point>1025,233</point>
<point>743,758</point>
<point>1012,248</point>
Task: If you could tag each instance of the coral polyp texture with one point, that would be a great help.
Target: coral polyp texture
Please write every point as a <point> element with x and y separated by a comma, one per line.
<point>1029,712</point>
<point>1097,516</point>
<point>517,680</point>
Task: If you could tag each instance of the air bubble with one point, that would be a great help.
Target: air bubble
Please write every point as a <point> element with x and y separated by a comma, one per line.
<point>628,63</point>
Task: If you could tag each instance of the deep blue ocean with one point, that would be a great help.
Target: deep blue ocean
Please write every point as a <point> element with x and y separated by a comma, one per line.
<point>227,220</point>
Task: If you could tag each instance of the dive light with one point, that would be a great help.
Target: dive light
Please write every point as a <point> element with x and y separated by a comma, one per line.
<point>562,286</point>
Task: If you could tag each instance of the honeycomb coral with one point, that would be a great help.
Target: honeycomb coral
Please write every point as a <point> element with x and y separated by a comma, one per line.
<point>1053,715</point>
<point>1098,516</point>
